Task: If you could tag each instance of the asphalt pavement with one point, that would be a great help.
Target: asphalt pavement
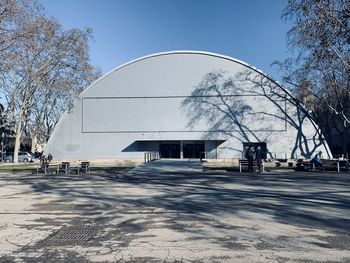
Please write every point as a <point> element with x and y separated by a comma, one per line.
<point>172,211</point>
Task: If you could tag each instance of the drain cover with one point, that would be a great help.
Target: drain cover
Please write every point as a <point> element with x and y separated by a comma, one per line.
<point>72,235</point>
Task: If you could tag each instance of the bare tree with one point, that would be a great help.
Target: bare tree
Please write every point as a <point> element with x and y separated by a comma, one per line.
<point>61,85</point>
<point>319,72</point>
<point>46,70</point>
<point>13,32</point>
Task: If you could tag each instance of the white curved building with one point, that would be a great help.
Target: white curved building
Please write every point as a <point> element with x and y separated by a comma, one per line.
<point>181,104</point>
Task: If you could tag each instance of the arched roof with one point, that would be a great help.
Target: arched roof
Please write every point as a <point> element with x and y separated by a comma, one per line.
<point>193,52</point>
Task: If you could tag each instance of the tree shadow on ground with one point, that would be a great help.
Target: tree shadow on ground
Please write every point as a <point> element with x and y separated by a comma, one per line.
<point>132,206</point>
<point>305,200</point>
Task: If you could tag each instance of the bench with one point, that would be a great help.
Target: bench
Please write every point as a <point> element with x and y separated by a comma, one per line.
<point>304,166</point>
<point>44,167</point>
<point>63,167</point>
<point>84,167</point>
<point>335,164</point>
<point>344,164</point>
<point>244,162</point>
<point>331,164</point>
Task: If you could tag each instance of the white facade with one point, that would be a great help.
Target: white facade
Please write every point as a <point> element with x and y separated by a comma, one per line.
<point>181,103</point>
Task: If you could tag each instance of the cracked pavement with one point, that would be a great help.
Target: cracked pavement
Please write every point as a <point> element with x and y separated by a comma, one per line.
<point>170,211</point>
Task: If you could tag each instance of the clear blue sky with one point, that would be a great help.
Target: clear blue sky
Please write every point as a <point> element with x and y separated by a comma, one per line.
<point>249,30</point>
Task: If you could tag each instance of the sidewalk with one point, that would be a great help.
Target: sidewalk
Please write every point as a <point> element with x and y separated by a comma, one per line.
<point>169,166</point>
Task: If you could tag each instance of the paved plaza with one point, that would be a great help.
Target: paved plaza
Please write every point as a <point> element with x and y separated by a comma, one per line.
<point>169,211</point>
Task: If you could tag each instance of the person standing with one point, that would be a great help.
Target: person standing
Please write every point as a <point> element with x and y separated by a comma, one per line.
<point>49,157</point>
<point>258,157</point>
<point>250,157</point>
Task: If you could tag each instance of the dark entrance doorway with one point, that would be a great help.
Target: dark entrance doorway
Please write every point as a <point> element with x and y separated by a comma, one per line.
<point>193,150</point>
<point>169,150</point>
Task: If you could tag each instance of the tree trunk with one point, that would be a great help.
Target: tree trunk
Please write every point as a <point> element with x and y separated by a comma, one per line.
<point>344,143</point>
<point>17,141</point>
<point>34,143</point>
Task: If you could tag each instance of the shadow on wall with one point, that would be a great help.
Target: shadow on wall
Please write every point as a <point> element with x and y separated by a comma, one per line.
<point>142,146</point>
<point>248,107</point>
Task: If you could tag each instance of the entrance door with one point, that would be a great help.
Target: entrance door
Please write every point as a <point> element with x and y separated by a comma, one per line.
<point>170,150</point>
<point>193,150</point>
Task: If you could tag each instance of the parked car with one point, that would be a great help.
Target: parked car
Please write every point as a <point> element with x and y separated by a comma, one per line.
<point>23,157</point>
<point>37,155</point>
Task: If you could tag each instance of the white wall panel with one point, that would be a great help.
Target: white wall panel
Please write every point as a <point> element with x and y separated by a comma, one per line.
<point>166,114</point>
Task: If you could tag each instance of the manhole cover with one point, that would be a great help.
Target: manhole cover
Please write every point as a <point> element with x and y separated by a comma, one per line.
<point>72,235</point>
